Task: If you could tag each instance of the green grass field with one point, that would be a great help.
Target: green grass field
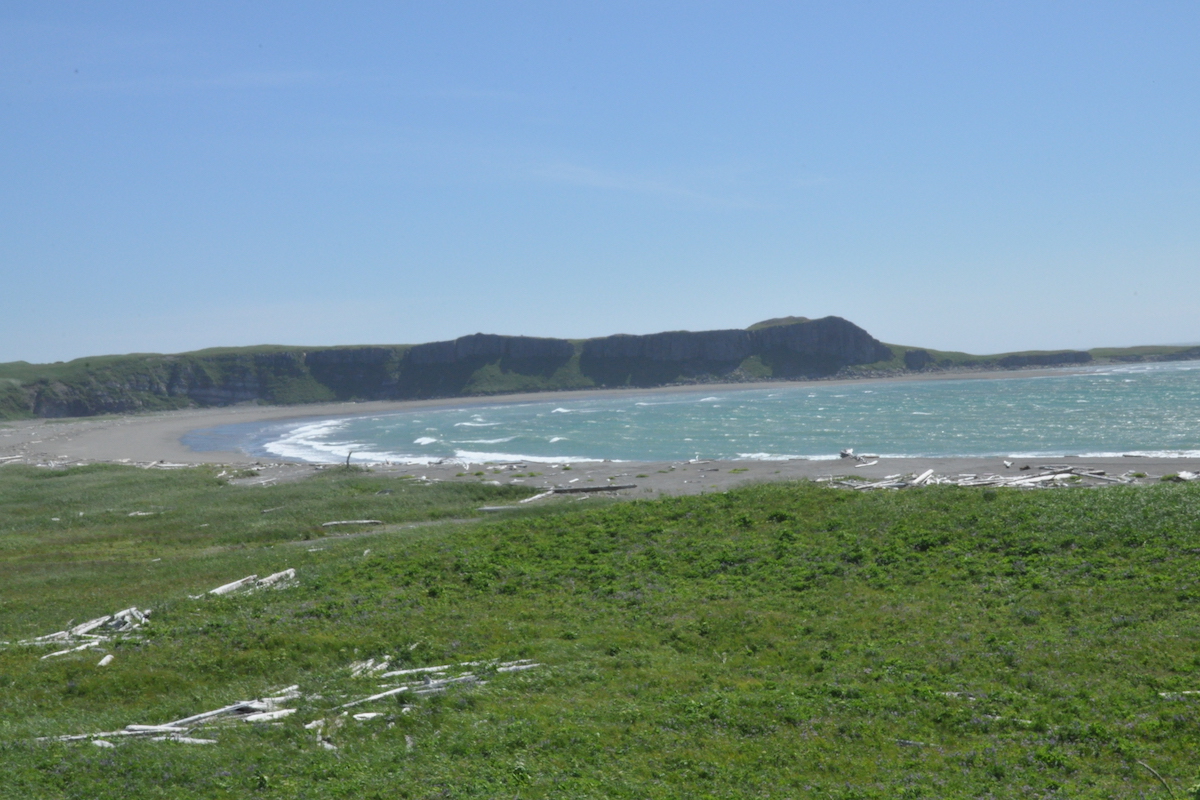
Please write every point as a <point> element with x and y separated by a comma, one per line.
<point>783,640</point>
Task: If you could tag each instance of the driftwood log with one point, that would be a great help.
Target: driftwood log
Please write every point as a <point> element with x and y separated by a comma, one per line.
<point>586,489</point>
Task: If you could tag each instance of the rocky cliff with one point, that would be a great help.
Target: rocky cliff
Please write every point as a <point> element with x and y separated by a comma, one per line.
<point>489,346</point>
<point>917,360</point>
<point>805,348</point>
<point>789,347</point>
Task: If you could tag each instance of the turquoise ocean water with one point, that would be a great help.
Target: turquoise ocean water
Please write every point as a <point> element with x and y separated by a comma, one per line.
<point>1151,409</point>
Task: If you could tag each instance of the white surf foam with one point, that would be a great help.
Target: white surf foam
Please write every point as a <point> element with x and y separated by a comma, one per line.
<point>505,458</point>
<point>303,442</point>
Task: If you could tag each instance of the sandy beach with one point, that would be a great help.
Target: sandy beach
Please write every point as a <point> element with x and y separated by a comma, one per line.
<point>154,440</point>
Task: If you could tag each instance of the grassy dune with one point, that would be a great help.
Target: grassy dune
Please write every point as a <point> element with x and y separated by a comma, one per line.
<point>781,640</point>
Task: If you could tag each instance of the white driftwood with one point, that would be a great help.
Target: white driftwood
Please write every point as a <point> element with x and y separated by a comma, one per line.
<point>380,696</point>
<point>104,662</point>
<point>268,716</point>
<point>537,497</point>
<point>234,585</point>
<point>369,666</point>
<point>920,479</point>
<point>92,633</point>
<point>245,706</point>
<point>416,671</point>
<point>439,686</point>
<point>352,522</point>
<point>155,729</point>
<point>289,693</point>
<point>447,667</point>
<point>89,626</point>
<point>585,489</point>
<point>84,646</point>
<point>277,578</point>
<point>1050,475</point>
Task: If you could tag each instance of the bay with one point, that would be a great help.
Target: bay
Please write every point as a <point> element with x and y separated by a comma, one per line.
<point>1147,409</point>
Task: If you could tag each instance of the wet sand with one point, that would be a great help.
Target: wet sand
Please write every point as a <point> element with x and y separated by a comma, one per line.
<point>154,440</point>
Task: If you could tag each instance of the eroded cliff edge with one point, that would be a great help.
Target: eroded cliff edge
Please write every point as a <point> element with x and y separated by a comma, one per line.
<point>483,364</point>
<point>470,365</point>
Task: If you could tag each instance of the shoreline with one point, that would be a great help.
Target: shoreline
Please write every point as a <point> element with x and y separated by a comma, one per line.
<point>156,436</point>
<point>154,439</point>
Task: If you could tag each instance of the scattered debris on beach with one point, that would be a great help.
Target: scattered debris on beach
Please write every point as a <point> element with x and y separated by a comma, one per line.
<point>278,580</point>
<point>1050,475</point>
<point>93,633</point>
<point>422,681</point>
<point>266,709</point>
<point>588,489</point>
<point>863,459</point>
<point>122,624</point>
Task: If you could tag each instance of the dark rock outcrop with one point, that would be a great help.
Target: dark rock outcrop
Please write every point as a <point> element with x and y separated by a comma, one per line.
<point>1190,354</point>
<point>805,348</point>
<point>828,337</point>
<point>356,372</point>
<point>728,345</point>
<point>917,359</point>
<point>1045,359</point>
<point>489,346</point>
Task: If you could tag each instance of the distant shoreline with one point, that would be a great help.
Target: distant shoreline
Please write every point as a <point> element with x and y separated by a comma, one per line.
<point>156,436</point>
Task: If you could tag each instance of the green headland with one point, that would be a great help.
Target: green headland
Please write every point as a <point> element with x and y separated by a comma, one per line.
<point>484,364</point>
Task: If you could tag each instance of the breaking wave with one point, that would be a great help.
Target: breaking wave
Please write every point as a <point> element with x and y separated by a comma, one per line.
<point>1083,413</point>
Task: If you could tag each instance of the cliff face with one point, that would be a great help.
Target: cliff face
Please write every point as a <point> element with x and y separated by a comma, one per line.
<point>1045,359</point>
<point>806,348</point>
<point>789,347</point>
<point>476,364</point>
<point>488,346</point>
<point>830,337</point>
<point>917,360</point>
<point>729,345</point>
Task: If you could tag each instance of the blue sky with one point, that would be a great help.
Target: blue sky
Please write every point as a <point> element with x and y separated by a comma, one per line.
<point>972,176</point>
